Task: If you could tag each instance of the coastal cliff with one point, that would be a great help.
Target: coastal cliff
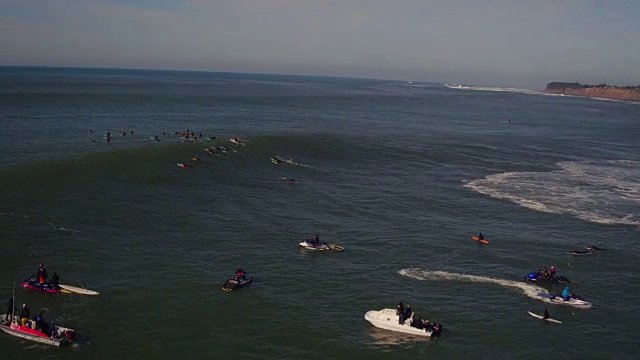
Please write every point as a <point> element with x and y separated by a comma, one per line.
<point>626,93</point>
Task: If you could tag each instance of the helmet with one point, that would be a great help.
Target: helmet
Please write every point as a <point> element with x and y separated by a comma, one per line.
<point>41,265</point>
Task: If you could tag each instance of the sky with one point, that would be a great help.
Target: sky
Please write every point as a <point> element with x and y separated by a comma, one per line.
<point>519,43</point>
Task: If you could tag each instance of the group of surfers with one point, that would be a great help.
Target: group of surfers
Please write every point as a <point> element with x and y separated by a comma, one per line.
<point>210,150</point>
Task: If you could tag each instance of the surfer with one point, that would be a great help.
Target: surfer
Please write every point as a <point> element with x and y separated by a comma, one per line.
<point>545,272</point>
<point>54,283</point>
<point>546,314</point>
<point>593,247</point>
<point>480,236</point>
<point>42,274</point>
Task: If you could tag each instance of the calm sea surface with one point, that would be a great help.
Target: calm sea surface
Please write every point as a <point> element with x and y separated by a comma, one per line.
<point>401,174</point>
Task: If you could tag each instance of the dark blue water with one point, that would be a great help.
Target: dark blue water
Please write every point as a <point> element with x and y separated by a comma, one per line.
<point>400,174</point>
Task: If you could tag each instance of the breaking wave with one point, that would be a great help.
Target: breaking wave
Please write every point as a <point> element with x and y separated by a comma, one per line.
<point>602,192</point>
<point>493,88</point>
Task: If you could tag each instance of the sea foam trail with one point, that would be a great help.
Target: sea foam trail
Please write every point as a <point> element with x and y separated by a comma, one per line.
<point>428,275</point>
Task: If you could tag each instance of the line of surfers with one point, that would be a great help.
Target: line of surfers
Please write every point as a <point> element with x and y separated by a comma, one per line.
<point>211,150</point>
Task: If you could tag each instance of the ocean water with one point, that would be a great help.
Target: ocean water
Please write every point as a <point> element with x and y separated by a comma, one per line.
<point>400,174</point>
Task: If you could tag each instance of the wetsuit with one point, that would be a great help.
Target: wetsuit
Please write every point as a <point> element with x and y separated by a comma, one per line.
<point>54,281</point>
<point>42,275</point>
<point>10,309</point>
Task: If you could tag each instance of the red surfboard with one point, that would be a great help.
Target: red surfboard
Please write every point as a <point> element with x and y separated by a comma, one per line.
<point>476,239</point>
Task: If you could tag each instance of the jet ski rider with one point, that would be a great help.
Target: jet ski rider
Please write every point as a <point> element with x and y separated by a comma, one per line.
<point>42,274</point>
<point>565,293</point>
<point>240,274</point>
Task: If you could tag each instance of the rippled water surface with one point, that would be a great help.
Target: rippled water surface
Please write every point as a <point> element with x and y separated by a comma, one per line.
<point>399,174</point>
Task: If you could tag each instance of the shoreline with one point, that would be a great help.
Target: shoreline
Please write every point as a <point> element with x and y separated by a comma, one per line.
<point>602,91</point>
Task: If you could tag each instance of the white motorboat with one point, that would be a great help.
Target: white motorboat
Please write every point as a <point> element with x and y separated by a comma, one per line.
<point>388,319</point>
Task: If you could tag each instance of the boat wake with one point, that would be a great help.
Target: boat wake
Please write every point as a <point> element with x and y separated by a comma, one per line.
<point>531,291</point>
<point>603,192</point>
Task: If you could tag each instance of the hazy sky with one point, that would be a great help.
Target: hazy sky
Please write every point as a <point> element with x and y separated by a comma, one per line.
<point>524,43</point>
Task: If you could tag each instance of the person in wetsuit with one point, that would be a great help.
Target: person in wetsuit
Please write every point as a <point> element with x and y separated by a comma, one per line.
<point>400,312</point>
<point>10,310</point>
<point>240,274</point>
<point>54,283</point>
<point>42,274</point>
<point>546,314</point>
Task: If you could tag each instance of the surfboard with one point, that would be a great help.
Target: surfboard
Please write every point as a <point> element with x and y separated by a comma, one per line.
<point>335,247</point>
<point>76,290</point>
<point>482,241</point>
<point>542,318</point>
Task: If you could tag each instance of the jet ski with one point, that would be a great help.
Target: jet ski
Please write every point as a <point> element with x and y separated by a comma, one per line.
<point>571,300</point>
<point>236,282</point>
<point>308,244</point>
<point>536,276</point>
<point>33,284</point>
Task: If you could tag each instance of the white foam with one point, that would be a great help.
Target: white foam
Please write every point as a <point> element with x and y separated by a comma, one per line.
<point>603,192</point>
<point>492,88</point>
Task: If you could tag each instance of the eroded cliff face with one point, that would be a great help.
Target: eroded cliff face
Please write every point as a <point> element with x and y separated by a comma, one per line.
<point>599,91</point>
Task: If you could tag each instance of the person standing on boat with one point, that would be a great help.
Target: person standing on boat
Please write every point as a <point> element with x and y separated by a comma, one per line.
<point>42,274</point>
<point>10,310</point>
<point>400,312</point>
<point>24,315</point>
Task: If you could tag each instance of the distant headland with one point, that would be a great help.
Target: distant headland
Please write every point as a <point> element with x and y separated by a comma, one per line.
<point>625,93</point>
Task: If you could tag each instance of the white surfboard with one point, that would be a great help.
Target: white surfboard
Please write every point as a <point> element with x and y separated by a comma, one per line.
<point>542,317</point>
<point>77,290</point>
